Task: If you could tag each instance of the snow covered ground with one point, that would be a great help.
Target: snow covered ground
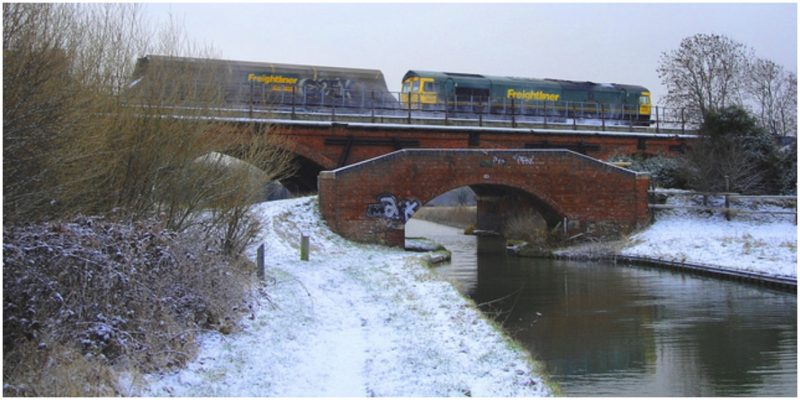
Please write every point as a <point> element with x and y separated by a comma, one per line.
<point>356,320</point>
<point>764,244</point>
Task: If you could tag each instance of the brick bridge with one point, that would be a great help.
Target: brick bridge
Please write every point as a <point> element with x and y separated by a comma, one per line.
<point>370,201</point>
<point>325,145</point>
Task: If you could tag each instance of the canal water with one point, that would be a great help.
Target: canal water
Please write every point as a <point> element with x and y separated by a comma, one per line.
<point>607,330</point>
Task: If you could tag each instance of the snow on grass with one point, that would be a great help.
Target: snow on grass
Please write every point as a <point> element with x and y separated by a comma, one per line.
<point>762,244</point>
<point>356,320</point>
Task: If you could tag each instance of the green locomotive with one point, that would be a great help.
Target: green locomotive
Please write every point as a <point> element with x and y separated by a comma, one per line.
<point>524,96</point>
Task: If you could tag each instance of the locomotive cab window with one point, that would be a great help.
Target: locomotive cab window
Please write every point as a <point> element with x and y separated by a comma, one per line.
<point>427,87</point>
<point>406,86</point>
<point>644,100</point>
<point>415,88</point>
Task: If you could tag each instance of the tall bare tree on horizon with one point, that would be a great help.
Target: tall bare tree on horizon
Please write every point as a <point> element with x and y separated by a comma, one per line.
<point>704,73</point>
<point>773,91</point>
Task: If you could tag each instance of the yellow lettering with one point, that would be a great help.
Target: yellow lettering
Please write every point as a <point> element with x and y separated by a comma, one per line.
<point>532,95</point>
<point>272,79</point>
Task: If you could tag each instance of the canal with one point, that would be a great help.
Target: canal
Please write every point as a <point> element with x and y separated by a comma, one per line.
<point>607,330</point>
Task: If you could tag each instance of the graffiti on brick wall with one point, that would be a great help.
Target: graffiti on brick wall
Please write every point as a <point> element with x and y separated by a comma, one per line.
<point>498,161</point>
<point>389,207</point>
<point>523,160</point>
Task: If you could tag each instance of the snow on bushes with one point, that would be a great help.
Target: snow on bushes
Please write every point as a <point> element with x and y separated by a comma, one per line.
<point>113,291</point>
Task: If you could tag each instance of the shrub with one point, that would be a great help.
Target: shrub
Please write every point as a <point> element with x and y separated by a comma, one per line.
<point>469,230</point>
<point>79,138</point>
<point>732,145</point>
<point>664,171</point>
<point>90,291</point>
<point>786,166</point>
<point>529,226</point>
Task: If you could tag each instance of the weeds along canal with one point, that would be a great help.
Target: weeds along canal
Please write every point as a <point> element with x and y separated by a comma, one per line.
<point>607,330</point>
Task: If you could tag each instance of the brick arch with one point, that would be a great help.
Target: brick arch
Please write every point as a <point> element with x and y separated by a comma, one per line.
<point>307,153</point>
<point>371,200</point>
<point>307,162</point>
<point>230,139</point>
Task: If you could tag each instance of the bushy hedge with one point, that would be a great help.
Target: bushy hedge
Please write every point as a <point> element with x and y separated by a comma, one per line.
<point>732,153</point>
<point>735,154</point>
<point>109,293</point>
<point>664,171</point>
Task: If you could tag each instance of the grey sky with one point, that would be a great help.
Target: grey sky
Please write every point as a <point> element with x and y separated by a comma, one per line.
<point>598,42</point>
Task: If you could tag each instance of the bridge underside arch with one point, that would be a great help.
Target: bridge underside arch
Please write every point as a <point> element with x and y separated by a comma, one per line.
<point>306,162</point>
<point>304,167</point>
<point>497,205</point>
<point>303,179</point>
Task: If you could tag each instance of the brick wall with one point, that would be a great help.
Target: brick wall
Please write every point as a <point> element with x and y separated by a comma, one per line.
<point>369,201</point>
<point>332,145</point>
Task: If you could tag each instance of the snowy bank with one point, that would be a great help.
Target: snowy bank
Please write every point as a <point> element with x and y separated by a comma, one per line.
<point>760,244</point>
<point>356,320</point>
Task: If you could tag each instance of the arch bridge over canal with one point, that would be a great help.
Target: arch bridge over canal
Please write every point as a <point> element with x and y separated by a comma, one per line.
<point>370,201</point>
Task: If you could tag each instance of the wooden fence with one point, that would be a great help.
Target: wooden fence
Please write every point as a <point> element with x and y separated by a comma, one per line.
<point>726,209</point>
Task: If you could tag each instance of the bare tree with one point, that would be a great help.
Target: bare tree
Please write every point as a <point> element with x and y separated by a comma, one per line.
<point>36,89</point>
<point>79,137</point>
<point>773,92</point>
<point>704,73</point>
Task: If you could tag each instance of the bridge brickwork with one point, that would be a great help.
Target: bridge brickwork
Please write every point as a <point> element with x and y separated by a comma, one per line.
<point>370,201</point>
<point>331,145</point>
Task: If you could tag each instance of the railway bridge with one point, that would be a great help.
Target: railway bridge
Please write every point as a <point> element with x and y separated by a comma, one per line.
<point>370,201</point>
<point>327,145</point>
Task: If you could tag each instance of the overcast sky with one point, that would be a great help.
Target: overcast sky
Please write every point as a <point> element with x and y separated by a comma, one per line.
<point>598,42</point>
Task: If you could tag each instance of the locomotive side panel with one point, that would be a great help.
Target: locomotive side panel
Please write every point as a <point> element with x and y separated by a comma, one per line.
<point>525,96</point>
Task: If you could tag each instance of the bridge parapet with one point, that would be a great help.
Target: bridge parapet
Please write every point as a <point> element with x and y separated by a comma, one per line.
<point>370,201</point>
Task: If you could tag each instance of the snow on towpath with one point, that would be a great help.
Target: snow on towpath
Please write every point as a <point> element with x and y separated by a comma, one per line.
<point>356,320</point>
<point>761,244</point>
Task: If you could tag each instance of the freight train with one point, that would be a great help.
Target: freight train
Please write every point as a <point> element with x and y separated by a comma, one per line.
<point>312,88</point>
<point>525,96</point>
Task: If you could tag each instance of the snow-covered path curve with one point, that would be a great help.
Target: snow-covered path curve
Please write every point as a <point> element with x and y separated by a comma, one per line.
<point>354,321</point>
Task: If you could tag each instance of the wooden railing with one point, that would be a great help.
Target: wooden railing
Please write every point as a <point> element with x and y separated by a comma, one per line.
<point>726,209</point>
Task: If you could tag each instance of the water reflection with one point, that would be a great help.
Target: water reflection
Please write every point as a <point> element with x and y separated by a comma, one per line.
<point>606,330</point>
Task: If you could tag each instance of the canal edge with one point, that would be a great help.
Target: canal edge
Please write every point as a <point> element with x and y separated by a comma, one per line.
<point>786,284</point>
